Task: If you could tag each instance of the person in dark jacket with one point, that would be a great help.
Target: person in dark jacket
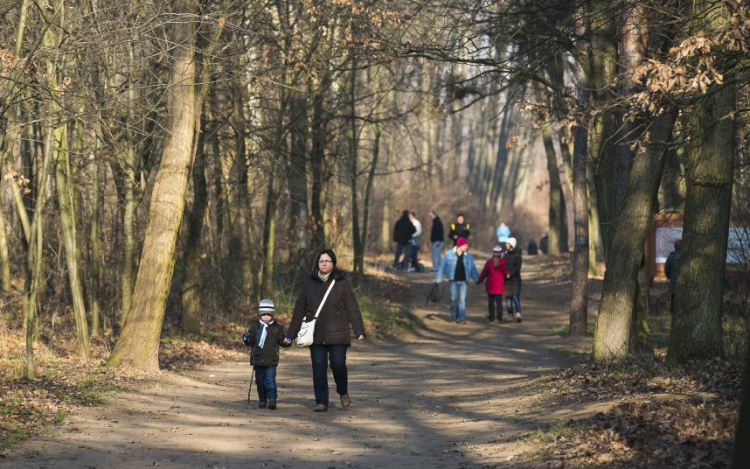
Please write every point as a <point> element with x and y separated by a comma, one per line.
<point>460,229</point>
<point>437,238</point>
<point>264,337</point>
<point>513,261</point>
<point>495,272</point>
<point>402,234</point>
<point>339,315</point>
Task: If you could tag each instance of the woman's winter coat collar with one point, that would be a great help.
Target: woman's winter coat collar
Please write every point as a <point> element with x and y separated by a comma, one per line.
<point>336,274</point>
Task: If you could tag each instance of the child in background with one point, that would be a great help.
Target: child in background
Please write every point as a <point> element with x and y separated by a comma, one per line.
<point>495,272</point>
<point>264,337</point>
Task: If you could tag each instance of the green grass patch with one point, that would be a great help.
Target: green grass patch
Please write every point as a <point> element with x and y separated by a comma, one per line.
<point>383,320</point>
<point>565,330</point>
<point>557,431</point>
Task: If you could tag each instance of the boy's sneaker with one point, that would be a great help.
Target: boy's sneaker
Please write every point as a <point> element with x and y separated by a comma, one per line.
<point>261,404</point>
<point>271,404</point>
<point>518,317</point>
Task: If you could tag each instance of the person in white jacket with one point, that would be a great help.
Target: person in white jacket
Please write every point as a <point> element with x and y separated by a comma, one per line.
<point>415,242</point>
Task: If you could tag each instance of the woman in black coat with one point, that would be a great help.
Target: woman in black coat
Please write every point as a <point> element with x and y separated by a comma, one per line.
<point>340,314</point>
<point>513,262</point>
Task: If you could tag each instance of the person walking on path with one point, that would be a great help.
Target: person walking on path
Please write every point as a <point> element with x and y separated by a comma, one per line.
<point>458,266</point>
<point>513,261</point>
<point>437,237</point>
<point>402,233</point>
<point>339,316</point>
<point>672,270</point>
<point>265,336</point>
<point>503,233</point>
<point>460,229</point>
<point>495,272</point>
<point>415,242</point>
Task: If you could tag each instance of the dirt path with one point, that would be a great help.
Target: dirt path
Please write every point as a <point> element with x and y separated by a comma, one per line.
<point>454,396</point>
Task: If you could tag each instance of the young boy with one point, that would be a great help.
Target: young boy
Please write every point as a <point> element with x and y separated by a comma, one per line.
<point>264,337</point>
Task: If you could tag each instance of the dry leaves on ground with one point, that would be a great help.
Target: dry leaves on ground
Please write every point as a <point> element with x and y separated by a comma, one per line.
<point>664,419</point>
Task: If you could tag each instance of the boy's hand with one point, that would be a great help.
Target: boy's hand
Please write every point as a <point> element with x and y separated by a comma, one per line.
<point>246,338</point>
<point>288,340</point>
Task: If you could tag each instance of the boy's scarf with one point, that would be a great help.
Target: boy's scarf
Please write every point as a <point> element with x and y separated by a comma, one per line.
<point>263,333</point>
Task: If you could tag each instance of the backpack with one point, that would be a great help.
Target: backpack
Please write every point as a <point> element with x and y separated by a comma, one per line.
<point>435,294</point>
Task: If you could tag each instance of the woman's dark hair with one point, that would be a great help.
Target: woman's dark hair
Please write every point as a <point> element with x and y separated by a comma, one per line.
<point>330,253</point>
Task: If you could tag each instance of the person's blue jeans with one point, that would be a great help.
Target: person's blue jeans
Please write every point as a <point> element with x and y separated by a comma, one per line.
<point>437,249</point>
<point>321,355</point>
<point>458,300</point>
<point>265,380</point>
<point>511,302</point>
<point>406,250</point>
<point>414,255</point>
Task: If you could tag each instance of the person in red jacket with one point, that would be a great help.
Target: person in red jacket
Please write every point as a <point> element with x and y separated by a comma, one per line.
<point>495,272</point>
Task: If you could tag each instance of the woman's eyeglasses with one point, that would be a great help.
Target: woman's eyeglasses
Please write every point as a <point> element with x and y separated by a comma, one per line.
<point>324,261</point>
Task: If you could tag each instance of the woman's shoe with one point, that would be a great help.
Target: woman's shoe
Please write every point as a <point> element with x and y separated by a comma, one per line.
<point>346,401</point>
<point>320,408</point>
<point>518,317</point>
<point>271,404</point>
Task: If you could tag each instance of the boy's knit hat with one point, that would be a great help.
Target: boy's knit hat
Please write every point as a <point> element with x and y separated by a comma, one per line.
<point>497,249</point>
<point>265,307</point>
<point>461,241</point>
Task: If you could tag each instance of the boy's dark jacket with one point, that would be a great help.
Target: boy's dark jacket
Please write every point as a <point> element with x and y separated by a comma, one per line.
<point>269,354</point>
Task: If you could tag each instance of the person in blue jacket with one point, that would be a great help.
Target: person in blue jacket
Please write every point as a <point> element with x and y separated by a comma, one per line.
<point>459,267</point>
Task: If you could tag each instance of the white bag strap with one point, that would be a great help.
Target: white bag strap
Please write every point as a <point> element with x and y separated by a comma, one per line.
<point>324,299</point>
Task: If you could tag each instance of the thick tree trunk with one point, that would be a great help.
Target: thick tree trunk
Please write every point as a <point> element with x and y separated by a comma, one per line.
<point>619,301</point>
<point>138,345</point>
<point>557,214</point>
<point>697,320</point>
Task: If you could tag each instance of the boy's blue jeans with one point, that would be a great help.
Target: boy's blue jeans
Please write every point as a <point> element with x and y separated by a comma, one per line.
<point>265,380</point>
<point>458,300</point>
<point>320,356</point>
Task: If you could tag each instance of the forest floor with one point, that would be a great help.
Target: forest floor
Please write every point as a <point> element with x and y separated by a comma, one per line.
<point>474,395</point>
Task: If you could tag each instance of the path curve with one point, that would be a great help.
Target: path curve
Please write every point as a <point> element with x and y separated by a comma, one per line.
<point>452,396</point>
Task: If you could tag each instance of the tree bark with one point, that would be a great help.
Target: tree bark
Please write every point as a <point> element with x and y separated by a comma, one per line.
<point>580,257</point>
<point>612,338</point>
<point>68,223</point>
<point>138,345</point>
<point>697,319</point>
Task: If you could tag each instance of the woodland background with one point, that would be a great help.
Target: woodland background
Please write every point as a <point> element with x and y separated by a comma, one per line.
<point>171,163</point>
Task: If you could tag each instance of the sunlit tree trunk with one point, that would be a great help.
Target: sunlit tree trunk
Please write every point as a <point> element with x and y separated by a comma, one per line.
<point>94,238</point>
<point>5,284</point>
<point>65,200</point>
<point>138,344</point>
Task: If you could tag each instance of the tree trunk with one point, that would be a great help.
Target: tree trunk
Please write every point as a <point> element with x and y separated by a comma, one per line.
<point>130,202</point>
<point>94,238</point>
<point>192,287</point>
<point>357,245</point>
<point>5,285</point>
<point>580,257</point>
<point>612,338</point>
<point>138,345</point>
<point>68,223</point>
<point>557,214</point>
<point>697,320</point>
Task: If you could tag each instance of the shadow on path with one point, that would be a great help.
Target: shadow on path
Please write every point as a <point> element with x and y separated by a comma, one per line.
<point>452,396</point>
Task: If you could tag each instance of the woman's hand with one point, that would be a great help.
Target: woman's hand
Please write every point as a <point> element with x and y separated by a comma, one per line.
<point>361,337</point>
